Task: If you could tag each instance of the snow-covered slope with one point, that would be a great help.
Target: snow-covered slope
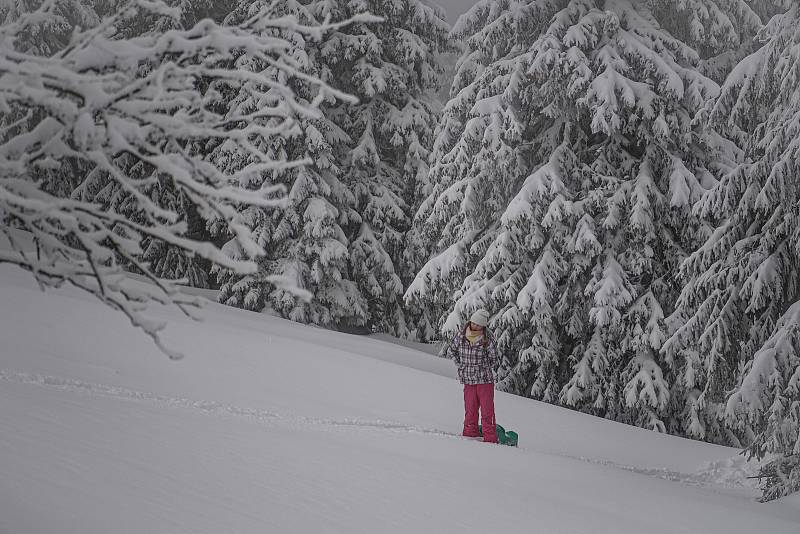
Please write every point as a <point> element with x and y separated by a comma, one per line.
<point>271,426</point>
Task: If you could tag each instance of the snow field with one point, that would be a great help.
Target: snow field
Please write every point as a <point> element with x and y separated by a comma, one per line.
<point>271,426</point>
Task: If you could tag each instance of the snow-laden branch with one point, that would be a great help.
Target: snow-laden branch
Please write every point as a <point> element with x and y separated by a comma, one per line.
<point>129,112</point>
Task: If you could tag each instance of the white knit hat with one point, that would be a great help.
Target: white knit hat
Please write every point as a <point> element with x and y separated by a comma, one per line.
<point>480,318</point>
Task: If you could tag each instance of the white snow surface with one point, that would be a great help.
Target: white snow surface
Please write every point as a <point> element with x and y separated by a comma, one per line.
<point>271,426</point>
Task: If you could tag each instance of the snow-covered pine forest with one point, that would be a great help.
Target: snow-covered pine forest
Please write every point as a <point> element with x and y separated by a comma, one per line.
<point>616,181</point>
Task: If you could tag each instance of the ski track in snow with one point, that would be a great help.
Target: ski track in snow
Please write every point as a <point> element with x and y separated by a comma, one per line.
<point>202,406</point>
<point>706,478</point>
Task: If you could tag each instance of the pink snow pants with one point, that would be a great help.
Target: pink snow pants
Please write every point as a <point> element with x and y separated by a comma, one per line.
<point>479,396</point>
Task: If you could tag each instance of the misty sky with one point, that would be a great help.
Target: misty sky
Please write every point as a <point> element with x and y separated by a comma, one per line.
<point>454,7</point>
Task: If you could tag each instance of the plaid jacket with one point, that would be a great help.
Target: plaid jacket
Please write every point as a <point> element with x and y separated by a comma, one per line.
<point>475,362</point>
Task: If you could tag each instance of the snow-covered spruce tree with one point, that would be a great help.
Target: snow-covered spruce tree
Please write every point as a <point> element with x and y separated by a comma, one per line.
<point>476,163</point>
<point>391,67</point>
<point>738,319</point>
<point>567,184</point>
<point>93,104</point>
<point>305,242</point>
<point>341,236</point>
<point>631,217</point>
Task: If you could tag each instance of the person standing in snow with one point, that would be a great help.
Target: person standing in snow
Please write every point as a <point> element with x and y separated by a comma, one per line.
<point>474,352</point>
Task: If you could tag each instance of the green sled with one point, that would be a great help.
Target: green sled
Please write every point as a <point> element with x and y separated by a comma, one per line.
<point>504,437</point>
